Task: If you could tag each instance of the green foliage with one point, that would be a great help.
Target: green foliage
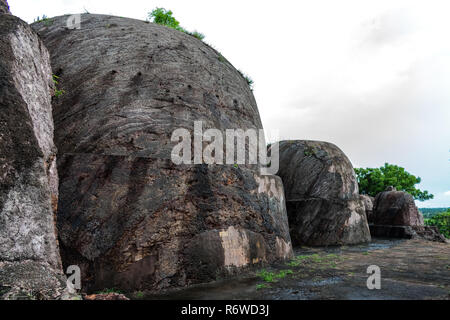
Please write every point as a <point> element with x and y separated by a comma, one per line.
<point>266,276</point>
<point>262,286</point>
<point>272,276</point>
<point>45,20</point>
<point>58,92</point>
<point>221,58</point>
<point>309,151</point>
<point>109,290</point>
<point>165,17</point>
<point>441,221</point>
<point>375,180</point>
<point>431,212</point>
<point>248,79</point>
<point>195,34</point>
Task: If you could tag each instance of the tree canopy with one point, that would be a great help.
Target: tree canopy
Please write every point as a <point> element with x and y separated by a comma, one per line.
<point>441,221</point>
<point>375,180</point>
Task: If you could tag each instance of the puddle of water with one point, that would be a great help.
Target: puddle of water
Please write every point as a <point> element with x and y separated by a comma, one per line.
<point>237,288</point>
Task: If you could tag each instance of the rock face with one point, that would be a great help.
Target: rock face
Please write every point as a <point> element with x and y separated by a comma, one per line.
<point>322,195</point>
<point>368,205</point>
<point>395,215</point>
<point>396,208</point>
<point>4,8</point>
<point>128,216</point>
<point>429,233</point>
<point>29,256</point>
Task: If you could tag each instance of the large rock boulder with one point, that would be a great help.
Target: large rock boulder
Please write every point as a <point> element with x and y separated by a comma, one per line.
<point>30,264</point>
<point>323,203</point>
<point>395,215</point>
<point>128,216</point>
<point>396,208</point>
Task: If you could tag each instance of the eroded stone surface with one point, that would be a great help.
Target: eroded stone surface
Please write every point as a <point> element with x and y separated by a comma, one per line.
<point>147,223</point>
<point>429,233</point>
<point>396,208</point>
<point>4,8</point>
<point>28,177</point>
<point>128,216</point>
<point>323,204</point>
<point>368,205</point>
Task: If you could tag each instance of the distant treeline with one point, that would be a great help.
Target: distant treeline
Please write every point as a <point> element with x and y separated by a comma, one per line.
<point>430,212</point>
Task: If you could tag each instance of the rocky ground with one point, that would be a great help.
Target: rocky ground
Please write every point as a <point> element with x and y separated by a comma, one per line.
<point>410,269</point>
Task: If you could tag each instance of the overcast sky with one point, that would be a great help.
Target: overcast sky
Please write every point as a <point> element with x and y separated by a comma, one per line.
<point>373,77</point>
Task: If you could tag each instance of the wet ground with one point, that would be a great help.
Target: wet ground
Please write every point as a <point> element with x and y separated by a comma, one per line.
<point>410,269</point>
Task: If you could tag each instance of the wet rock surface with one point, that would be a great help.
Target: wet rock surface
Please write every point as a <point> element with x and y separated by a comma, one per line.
<point>28,176</point>
<point>128,216</point>
<point>322,198</point>
<point>410,270</point>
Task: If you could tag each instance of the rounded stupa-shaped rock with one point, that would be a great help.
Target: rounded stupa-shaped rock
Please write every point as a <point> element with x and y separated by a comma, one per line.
<point>128,216</point>
<point>323,202</point>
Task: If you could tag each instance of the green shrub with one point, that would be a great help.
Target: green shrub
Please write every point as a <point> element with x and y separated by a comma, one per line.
<point>45,20</point>
<point>58,92</point>
<point>248,79</point>
<point>442,222</point>
<point>165,18</point>
<point>195,34</point>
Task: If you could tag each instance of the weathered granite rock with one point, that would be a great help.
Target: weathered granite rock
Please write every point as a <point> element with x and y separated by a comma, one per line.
<point>322,195</point>
<point>368,205</point>
<point>396,208</point>
<point>128,216</point>
<point>29,255</point>
<point>429,233</point>
<point>4,7</point>
<point>395,215</point>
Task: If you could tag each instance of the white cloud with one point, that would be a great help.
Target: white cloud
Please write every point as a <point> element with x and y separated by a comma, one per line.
<point>447,193</point>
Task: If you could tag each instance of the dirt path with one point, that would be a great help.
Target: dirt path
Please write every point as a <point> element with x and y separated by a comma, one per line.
<point>410,269</point>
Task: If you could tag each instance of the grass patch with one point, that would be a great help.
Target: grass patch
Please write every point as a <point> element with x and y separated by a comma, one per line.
<point>274,276</point>
<point>109,290</point>
<point>260,286</point>
<point>329,260</point>
<point>47,22</point>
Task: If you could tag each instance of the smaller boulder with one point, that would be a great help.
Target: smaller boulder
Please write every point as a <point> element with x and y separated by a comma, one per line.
<point>396,208</point>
